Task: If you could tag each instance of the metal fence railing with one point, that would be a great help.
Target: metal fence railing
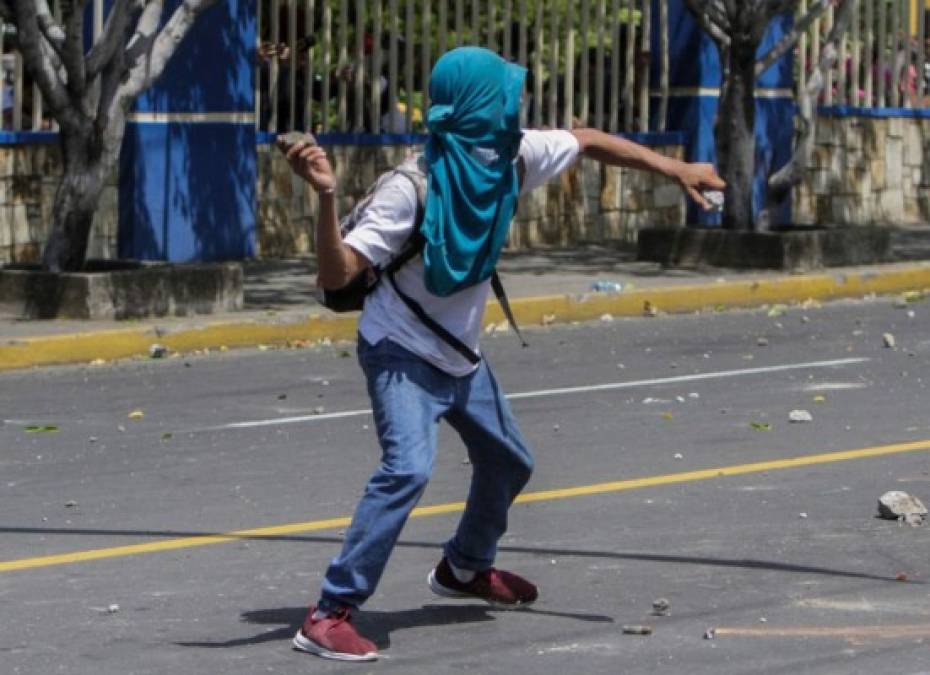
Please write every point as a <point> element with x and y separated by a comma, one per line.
<point>883,55</point>
<point>363,65</point>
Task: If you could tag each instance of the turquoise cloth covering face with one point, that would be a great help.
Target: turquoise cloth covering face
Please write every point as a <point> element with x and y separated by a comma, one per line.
<point>474,125</point>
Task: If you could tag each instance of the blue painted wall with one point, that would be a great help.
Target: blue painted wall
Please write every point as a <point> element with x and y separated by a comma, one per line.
<point>188,188</point>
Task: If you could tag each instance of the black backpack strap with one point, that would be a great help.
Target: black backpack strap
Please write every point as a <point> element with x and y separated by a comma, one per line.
<point>432,324</point>
<point>501,295</point>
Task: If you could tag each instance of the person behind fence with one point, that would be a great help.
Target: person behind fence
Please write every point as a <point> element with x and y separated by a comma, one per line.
<point>477,161</point>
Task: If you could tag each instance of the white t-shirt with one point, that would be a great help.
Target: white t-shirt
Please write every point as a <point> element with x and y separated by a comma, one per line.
<point>383,229</point>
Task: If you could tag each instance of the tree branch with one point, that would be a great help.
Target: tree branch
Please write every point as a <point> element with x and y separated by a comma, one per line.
<point>40,59</point>
<point>699,10</point>
<point>51,29</point>
<point>790,175</point>
<point>789,40</point>
<point>115,35</point>
<point>159,51</point>
<point>72,53</point>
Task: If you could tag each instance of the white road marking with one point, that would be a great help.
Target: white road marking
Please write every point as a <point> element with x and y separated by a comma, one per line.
<point>834,386</point>
<point>722,374</point>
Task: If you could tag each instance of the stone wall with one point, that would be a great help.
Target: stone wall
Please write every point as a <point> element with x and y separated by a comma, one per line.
<point>28,179</point>
<point>867,169</point>
<point>589,203</point>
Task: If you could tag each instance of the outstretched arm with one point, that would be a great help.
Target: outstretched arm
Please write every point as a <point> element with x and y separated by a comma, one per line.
<point>338,263</point>
<point>608,149</point>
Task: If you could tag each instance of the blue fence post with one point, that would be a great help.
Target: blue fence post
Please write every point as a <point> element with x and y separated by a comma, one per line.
<point>188,169</point>
<point>695,77</point>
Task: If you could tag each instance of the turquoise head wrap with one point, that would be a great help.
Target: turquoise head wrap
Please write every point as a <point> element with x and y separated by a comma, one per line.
<point>474,124</point>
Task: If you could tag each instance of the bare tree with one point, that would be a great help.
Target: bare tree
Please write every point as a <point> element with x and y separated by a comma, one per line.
<point>89,93</point>
<point>738,27</point>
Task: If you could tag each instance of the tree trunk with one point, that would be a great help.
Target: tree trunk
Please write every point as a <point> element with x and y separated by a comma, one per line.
<point>735,136</point>
<point>86,167</point>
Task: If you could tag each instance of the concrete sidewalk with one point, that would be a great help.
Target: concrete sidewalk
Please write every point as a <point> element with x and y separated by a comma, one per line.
<point>544,286</point>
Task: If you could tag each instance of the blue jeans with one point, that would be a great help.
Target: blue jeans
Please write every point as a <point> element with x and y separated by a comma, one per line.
<point>409,397</point>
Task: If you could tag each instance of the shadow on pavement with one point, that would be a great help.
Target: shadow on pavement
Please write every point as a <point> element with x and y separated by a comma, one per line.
<point>743,563</point>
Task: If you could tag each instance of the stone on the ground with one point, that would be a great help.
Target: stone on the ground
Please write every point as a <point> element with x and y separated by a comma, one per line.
<point>899,505</point>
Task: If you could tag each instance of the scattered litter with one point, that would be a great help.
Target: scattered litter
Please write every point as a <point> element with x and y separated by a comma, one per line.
<point>344,354</point>
<point>900,576</point>
<point>556,427</point>
<point>680,399</point>
<point>694,395</point>
<point>778,310</point>
<point>889,340</point>
<point>620,366</point>
<point>224,348</point>
<point>799,416</point>
<point>805,319</point>
<point>802,515</point>
<point>282,397</point>
<point>92,439</point>
<point>42,429</point>
<point>900,506</point>
<point>607,318</point>
<point>548,319</point>
<point>113,609</point>
<point>120,428</point>
<point>136,415</point>
<point>667,415</point>
<point>661,607</point>
<point>912,296</point>
<point>607,286</point>
<point>810,303</point>
<point>70,504</point>
<point>319,410</point>
<point>763,342</point>
<point>649,399</point>
<point>158,351</point>
<point>97,362</point>
<point>820,398</point>
<point>760,426</point>
<point>649,309</point>
<point>911,314</point>
<point>637,630</point>
<point>762,619</point>
<point>167,436</point>
<point>678,455</point>
<point>710,633</point>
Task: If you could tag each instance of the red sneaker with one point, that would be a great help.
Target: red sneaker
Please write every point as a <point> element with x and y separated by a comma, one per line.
<point>501,589</point>
<point>334,637</point>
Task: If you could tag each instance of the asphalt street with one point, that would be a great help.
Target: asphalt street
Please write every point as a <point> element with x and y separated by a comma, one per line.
<point>666,468</point>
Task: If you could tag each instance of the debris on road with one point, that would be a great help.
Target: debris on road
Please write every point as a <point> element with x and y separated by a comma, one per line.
<point>820,398</point>
<point>760,426</point>
<point>607,318</point>
<point>42,429</point>
<point>800,416</point>
<point>900,576</point>
<point>778,310</point>
<point>678,455</point>
<point>113,609</point>
<point>637,630</point>
<point>802,515</point>
<point>649,309</point>
<point>548,319</point>
<point>607,286</point>
<point>710,633</point>
<point>70,504</point>
<point>888,340</point>
<point>157,351</point>
<point>762,342</point>
<point>661,607</point>
<point>900,506</point>
<point>136,415</point>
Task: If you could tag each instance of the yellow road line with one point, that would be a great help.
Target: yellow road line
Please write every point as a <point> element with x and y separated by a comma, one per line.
<point>457,507</point>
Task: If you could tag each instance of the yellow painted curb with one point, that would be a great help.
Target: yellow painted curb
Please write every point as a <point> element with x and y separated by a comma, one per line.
<point>124,343</point>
